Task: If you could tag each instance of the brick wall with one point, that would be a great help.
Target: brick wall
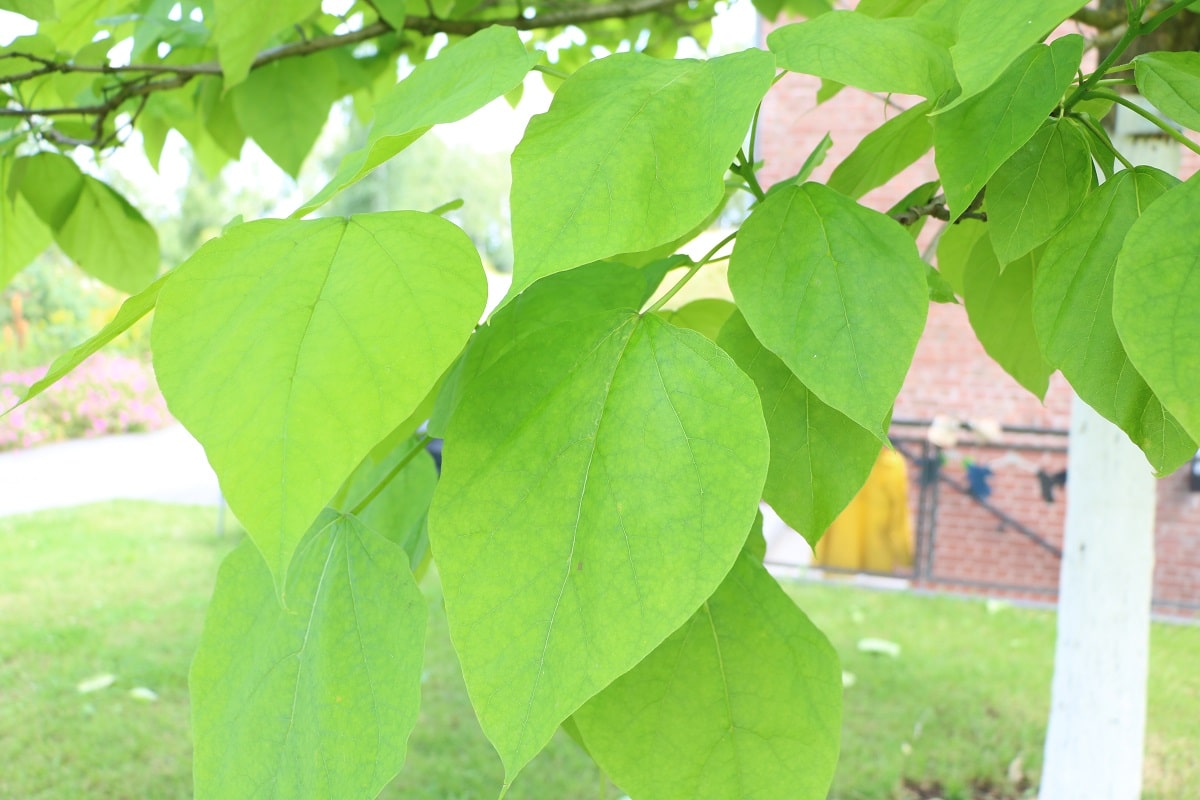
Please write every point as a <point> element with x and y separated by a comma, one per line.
<point>971,545</point>
<point>951,375</point>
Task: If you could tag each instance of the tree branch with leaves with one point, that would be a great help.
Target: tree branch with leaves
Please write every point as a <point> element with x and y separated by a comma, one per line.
<point>595,523</point>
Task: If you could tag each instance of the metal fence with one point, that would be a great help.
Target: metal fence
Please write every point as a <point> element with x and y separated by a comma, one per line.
<point>1016,523</point>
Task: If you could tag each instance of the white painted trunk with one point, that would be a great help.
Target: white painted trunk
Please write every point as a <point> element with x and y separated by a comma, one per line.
<point>1098,699</point>
<point>1096,734</point>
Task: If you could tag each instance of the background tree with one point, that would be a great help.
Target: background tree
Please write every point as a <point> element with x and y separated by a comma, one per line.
<point>594,525</point>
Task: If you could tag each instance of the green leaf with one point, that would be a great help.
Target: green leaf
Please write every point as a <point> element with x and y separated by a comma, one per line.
<point>51,184</point>
<point>1035,192</point>
<point>110,239</point>
<point>756,544</point>
<point>705,316</point>
<point>598,483</point>
<point>971,140</point>
<point>316,699</point>
<point>1095,107</point>
<point>393,12</point>
<point>889,8</point>
<point>77,87</point>
<point>106,236</point>
<point>999,303</point>
<point>940,290</point>
<point>558,300</point>
<point>1101,146</point>
<point>665,254</point>
<point>899,54</point>
<point>243,27</point>
<point>884,152</point>
<point>154,129</point>
<point>1171,81</point>
<point>75,24</point>
<point>203,115</point>
<point>993,36</point>
<point>22,234</point>
<point>399,510</point>
<point>463,78</point>
<point>36,45</point>
<point>283,107</point>
<point>828,90</point>
<point>954,250</point>
<point>835,290</point>
<point>220,119</point>
<point>290,348</point>
<point>801,8</point>
<point>1156,294</point>
<point>409,426</point>
<point>611,170</point>
<point>34,9</point>
<point>655,272</point>
<point>816,158</point>
<point>743,701</point>
<point>132,310</point>
<point>820,458</point>
<point>1073,316</point>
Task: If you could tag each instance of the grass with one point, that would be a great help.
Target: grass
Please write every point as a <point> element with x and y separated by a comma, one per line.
<point>121,588</point>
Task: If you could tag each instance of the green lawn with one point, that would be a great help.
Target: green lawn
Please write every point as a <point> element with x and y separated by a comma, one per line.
<point>121,589</point>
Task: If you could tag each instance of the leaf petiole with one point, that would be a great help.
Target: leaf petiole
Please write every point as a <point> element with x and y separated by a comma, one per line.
<point>1162,124</point>
<point>1099,134</point>
<point>709,257</point>
<point>1152,24</point>
<point>1137,27</point>
<point>745,168</point>
<point>386,479</point>
<point>551,71</point>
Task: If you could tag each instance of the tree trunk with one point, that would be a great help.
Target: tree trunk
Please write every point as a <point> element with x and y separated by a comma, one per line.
<point>1098,699</point>
<point>1096,734</point>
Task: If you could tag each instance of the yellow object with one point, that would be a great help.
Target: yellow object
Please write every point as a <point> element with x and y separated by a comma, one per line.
<point>873,533</point>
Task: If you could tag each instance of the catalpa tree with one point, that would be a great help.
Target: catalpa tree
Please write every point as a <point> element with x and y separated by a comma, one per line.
<point>595,523</point>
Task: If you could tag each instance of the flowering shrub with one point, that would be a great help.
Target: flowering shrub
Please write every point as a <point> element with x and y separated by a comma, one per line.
<point>106,394</point>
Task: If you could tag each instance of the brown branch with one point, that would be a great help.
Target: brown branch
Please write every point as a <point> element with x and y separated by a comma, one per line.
<point>126,92</point>
<point>937,209</point>
<point>145,83</point>
<point>426,26</point>
<point>206,68</point>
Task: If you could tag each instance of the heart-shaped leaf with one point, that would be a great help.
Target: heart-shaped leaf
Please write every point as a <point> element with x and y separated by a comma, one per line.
<point>616,170</point>
<point>598,482</point>
<point>1156,294</point>
<point>838,292</point>
<point>746,698</point>
<point>316,699</point>
<point>290,348</point>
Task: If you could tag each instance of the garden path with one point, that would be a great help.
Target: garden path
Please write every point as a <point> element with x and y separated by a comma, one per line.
<point>166,465</point>
<point>169,466</point>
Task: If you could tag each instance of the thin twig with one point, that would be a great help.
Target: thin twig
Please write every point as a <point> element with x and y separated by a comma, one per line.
<point>887,100</point>
<point>427,26</point>
<point>937,209</point>
<point>177,75</point>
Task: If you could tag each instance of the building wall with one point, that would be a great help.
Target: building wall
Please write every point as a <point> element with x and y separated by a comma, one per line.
<point>952,376</point>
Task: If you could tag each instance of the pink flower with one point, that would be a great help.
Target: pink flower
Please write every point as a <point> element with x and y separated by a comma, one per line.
<point>106,394</point>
